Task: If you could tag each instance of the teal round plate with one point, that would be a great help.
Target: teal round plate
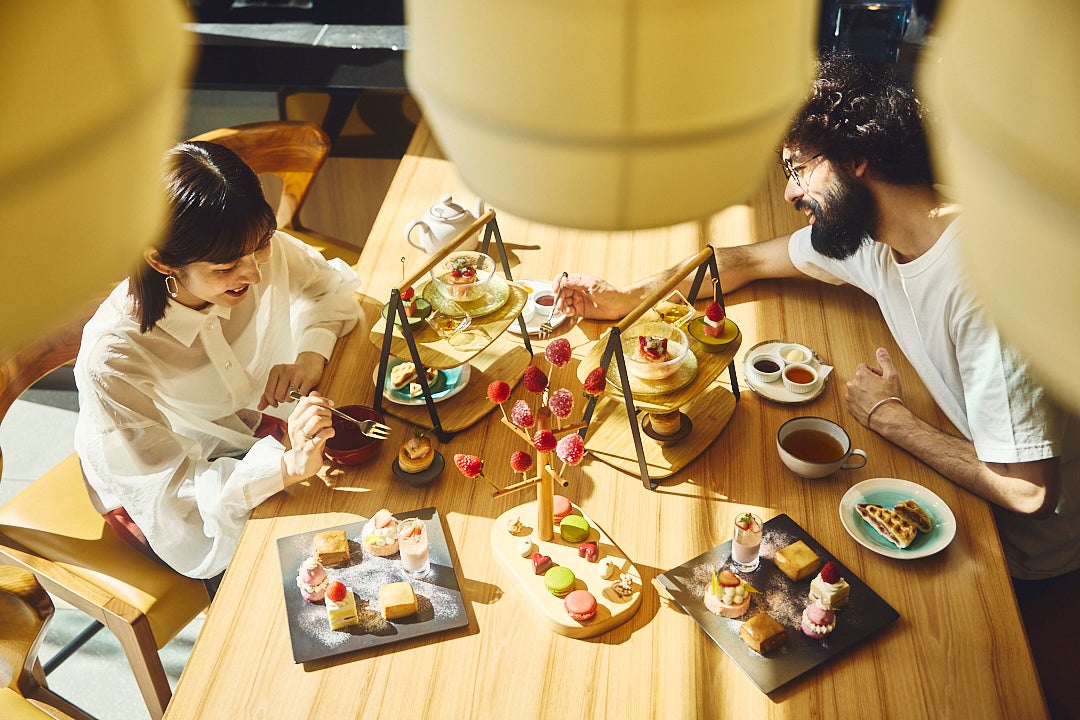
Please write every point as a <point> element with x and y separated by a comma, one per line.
<point>423,309</point>
<point>887,492</point>
<point>449,383</point>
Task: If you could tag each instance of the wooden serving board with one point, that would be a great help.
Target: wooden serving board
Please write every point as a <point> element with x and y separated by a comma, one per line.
<point>612,609</point>
<point>441,354</point>
<point>610,440</point>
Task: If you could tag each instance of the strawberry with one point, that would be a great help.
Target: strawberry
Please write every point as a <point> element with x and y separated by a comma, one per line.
<point>714,312</point>
<point>745,521</point>
<point>335,591</point>
<point>653,347</point>
<point>570,449</point>
<point>414,531</point>
<point>520,461</point>
<point>558,352</point>
<point>456,274</point>
<point>469,465</point>
<point>468,271</point>
<point>408,294</point>
<point>535,379</point>
<point>522,415</point>
<point>594,383</point>
<point>544,441</point>
<point>728,579</point>
<point>830,573</point>
<point>498,392</point>
<point>561,403</point>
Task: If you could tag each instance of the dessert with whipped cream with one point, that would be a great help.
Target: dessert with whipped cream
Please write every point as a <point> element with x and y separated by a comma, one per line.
<point>379,534</point>
<point>829,588</point>
<point>714,320</point>
<point>817,620</point>
<point>312,580</point>
<point>340,606</point>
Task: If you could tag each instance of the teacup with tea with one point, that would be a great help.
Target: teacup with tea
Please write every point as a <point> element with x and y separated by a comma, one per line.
<point>813,447</point>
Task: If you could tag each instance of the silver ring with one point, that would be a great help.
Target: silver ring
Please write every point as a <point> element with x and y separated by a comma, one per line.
<point>294,387</point>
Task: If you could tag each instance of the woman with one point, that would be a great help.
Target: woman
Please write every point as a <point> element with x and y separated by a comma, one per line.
<point>222,320</point>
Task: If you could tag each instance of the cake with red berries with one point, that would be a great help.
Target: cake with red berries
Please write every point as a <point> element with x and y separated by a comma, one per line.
<point>408,299</point>
<point>714,320</point>
<point>829,588</point>
<point>727,595</point>
<point>340,606</point>
<point>462,274</point>
<point>379,534</point>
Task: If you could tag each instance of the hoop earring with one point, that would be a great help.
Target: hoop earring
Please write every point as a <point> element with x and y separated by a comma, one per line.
<point>173,287</point>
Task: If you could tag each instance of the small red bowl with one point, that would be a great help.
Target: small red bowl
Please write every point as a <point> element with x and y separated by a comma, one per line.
<point>349,446</point>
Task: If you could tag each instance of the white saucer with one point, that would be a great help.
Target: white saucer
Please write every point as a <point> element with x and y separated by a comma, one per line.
<point>532,324</point>
<point>775,390</point>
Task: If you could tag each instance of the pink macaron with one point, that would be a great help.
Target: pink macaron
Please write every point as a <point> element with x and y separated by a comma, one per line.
<point>580,605</point>
<point>817,620</point>
<point>560,507</point>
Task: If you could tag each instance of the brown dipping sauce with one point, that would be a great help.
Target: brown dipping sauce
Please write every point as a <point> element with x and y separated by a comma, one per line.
<point>764,365</point>
<point>799,375</point>
<point>813,446</point>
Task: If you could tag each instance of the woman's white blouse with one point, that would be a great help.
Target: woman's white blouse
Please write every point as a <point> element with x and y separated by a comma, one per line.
<point>166,418</point>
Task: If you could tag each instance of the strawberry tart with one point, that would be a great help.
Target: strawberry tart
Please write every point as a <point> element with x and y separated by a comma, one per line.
<point>727,595</point>
<point>379,534</point>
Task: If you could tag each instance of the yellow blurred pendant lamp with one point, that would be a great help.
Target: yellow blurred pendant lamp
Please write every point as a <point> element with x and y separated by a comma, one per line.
<point>1002,88</point>
<point>610,114</point>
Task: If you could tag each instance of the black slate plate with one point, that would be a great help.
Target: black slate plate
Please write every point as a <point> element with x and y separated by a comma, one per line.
<point>865,615</point>
<point>441,606</point>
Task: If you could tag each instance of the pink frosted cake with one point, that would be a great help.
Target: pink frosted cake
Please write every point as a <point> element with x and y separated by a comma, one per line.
<point>312,581</point>
<point>817,620</point>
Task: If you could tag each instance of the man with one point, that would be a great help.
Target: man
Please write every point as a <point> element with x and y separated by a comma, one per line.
<point>858,166</point>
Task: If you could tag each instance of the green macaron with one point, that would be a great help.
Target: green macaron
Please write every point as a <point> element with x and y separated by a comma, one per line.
<point>574,528</point>
<point>559,580</point>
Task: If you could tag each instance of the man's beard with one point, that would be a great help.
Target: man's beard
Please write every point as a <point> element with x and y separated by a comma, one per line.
<point>843,224</point>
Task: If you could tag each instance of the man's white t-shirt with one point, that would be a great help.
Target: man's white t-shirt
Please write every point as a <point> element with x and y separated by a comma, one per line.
<point>980,382</point>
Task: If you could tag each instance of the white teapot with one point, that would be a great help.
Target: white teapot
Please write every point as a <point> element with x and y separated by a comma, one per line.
<point>443,222</point>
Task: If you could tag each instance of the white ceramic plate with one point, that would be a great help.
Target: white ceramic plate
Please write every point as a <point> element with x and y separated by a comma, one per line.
<point>532,325</point>
<point>775,390</point>
<point>455,381</point>
<point>887,492</point>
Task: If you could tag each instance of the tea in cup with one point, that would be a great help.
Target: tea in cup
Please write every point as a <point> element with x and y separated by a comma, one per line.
<point>813,447</point>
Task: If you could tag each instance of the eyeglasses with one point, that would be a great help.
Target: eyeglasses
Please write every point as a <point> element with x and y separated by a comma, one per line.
<point>791,172</point>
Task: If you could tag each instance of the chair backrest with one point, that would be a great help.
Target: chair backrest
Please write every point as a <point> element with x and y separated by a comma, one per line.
<point>291,150</point>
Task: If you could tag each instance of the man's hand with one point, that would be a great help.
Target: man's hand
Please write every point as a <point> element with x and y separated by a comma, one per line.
<point>871,385</point>
<point>301,376</point>
<point>591,297</point>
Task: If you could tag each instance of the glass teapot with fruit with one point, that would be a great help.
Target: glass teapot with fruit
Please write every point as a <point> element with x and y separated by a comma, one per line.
<point>442,222</point>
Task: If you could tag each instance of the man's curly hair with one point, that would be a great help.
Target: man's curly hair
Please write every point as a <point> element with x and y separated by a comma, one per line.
<point>859,110</point>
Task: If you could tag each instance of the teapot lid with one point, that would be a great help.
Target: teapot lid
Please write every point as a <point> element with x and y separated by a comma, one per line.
<point>447,209</point>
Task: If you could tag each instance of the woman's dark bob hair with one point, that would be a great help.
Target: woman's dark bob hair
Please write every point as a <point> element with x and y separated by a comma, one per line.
<point>217,214</point>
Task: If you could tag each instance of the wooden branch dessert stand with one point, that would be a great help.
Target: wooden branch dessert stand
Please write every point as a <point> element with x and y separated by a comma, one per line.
<point>615,605</point>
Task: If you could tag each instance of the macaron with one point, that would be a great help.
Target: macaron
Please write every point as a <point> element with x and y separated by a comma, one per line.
<point>560,507</point>
<point>574,529</point>
<point>559,580</point>
<point>580,605</point>
<point>817,620</point>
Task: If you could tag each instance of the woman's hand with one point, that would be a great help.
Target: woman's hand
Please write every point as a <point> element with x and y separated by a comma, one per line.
<point>310,426</point>
<point>301,376</point>
<point>871,385</point>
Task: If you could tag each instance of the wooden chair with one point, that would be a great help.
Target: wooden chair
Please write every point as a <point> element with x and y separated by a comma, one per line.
<point>293,152</point>
<point>25,613</point>
<point>52,530</point>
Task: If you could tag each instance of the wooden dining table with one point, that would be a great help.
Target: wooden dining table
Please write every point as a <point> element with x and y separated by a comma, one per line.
<point>958,648</point>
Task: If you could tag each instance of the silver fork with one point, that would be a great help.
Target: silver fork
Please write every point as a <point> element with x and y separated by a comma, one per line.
<point>368,427</point>
<point>546,327</point>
